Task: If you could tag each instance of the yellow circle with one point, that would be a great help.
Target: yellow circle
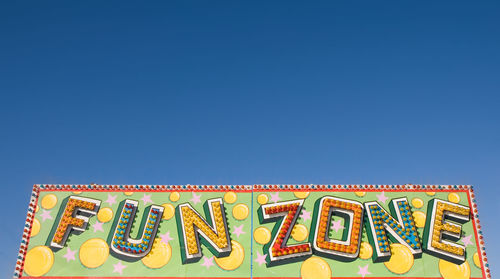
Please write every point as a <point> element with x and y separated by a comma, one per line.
<point>128,193</point>
<point>105,214</point>
<point>366,251</point>
<point>240,211</point>
<point>230,197</point>
<point>49,201</point>
<point>315,268</point>
<point>301,195</point>
<point>417,202</point>
<point>39,261</point>
<point>175,196</point>
<point>454,271</point>
<point>168,211</point>
<point>159,255</point>
<point>454,197</point>
<point>35,228</point>
<point>360,194</point>
<point>477,262</point>
<point>430,193</point>
<point>401,259</point>
<point>299,232</point>
<point>419,218</point>
<point>37,208</point>
<point>262,235</point>
<point>234,260</point>
<point>262,199</point>
<point>94,252</point>
<point>77,192</point>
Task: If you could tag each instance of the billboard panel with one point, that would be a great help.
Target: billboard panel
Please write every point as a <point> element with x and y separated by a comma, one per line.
<point>252,231</point>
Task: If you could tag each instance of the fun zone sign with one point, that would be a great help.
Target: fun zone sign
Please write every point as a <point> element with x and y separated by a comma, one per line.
<point>252,231</point>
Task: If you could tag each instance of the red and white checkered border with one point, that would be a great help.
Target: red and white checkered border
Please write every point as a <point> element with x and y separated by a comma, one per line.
<point>23,249</point>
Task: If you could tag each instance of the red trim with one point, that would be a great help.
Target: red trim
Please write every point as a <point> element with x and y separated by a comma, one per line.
<point>478,245</point>
<point>145,190</point>
<point>249,191</point>
<point>88,277</point>
<point>361,277</point>
<point>360,190</point>
<point>27,236</point>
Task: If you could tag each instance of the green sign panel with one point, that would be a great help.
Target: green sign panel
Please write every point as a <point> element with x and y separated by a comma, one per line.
<point>252,231</point>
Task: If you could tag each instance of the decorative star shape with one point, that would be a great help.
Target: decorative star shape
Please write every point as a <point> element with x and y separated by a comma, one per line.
<point>70,255</point>
<point>46,215</point>
<point>118,268</point>
<point>275,197</point>
<point>97,226</point>
<point>208,262</point>
<point>166,237</point>
<point>146,199</point>
<point>381,197</point>
<point>363,271</point>
<point>337,226</point>
<point>261,259</point>
<point>306,215</point>
<point>111,199</point>
<point>238,230</point>
<point>196,198</point>
<point>466,240</point>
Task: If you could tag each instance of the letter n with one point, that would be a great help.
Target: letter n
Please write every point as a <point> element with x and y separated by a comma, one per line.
<point>194,230</point>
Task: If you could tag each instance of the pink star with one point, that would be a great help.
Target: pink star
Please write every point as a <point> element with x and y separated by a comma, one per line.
<point>363,271</point>
<point>275,197</point>
<point>70,255</point>
<point>118,268</point>
<point>466,240</point>
<point>381,197</point>
<point>46,215</point>
<point>97,226</point>
<point>306,215</point>
<point>166,237</point>
<point>196,198</point>
<point>337,226</point>
<point>261,259</point>
<point>146,199</point>
<point>208,262</point>
<point>238,230</point>
<point>111,199</point>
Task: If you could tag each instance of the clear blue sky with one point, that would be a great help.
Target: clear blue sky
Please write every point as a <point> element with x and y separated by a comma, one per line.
<point>244,92</point>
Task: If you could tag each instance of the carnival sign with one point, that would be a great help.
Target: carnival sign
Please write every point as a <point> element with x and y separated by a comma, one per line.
<point>252,231</point>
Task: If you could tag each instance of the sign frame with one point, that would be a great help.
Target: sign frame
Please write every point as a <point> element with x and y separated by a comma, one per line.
<point>38,189</point>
